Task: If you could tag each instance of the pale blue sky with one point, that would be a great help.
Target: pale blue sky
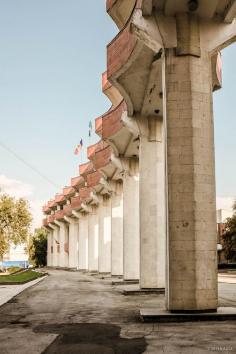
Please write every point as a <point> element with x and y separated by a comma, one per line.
<point>52,55</point>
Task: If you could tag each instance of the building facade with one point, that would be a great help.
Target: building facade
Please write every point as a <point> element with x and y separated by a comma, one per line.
<point>144,205</point>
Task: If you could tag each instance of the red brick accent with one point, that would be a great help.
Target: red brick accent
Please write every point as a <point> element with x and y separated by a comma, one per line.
<point>98,126</point>
<point>46,209</point>
<point>77,181</point>
<point>109,4</point>
<point>105,83</point>
<point>45,222</point>
<point>59,198</point>
<point>103,157</point>
<point>92,149</point>
<point>67,209</point>
<point>51,218</point>
<point>86,168</point>
<point>51,204</point>
<point>119,51</point>
<point>111,121</point>
<point>93,179</point>
<point>68,191</point>
<point>75,203</point>
<point>59,214</point>
<point>85,193</point>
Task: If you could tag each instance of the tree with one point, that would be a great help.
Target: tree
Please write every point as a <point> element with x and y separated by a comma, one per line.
<point>15,220</point>
<point>229,237</point>
<point>38,248</point>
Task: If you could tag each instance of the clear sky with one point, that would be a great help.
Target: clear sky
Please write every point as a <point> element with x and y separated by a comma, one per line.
<point>52,55</point>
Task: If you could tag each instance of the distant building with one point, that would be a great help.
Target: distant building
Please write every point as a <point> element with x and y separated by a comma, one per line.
<point>221,216</point>
<point>16,256</point>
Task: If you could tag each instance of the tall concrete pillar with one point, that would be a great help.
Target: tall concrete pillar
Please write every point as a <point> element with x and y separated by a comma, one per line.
<point>73,243</point>
<point>49,247</point>
<point>104,253</point>
<point>117,229</point>
<point>93,235</point>
<point>131,221</point>
<point>192,257</point>
<point>55,245</point>
<point>63,240</point>
<point>152,202</point>
<point>83,242</point>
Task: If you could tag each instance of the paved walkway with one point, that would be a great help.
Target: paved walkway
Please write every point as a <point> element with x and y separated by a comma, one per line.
<point>69,313</point>
<point>7,292</point>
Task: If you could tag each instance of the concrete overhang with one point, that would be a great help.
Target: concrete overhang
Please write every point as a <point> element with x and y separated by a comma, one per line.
<point>59,215</point>
<point>92,149</point>
<point>113,128</point>
<point>67,210</point>
<point>216,71</point>
<point>69,192</point>
<point>45,222</point>
<point>99,184</point>
<point>46,209</point>
<point>93,181</point>
<point>85,169</point>
<point>75,203</point>
<point>77,182</point>
<point>85,196</point>
<point>134,64</point>
<point>110,91</point>
<point>51,219</point>
<point>52,204</point>
<point>215,9</point>
<point>103,162</point>
<point>120,10</point>
<point>60,200</point>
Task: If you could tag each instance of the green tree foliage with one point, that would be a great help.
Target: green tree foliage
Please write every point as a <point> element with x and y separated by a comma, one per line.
<point>38,248</point>
<point>15,220</point>
<point>229,237</point>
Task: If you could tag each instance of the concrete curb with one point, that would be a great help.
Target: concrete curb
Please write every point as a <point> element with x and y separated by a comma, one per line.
<point>14,290</point>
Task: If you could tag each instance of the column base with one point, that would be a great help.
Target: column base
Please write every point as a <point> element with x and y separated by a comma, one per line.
<point>104,275</point>
<point>162,316</point>
<point>125,282</point>
<point>137,291</point>
<point>93,272</point>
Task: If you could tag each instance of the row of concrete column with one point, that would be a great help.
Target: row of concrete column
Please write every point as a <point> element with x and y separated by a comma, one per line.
<point>105,238</point>
<point>158,223</point>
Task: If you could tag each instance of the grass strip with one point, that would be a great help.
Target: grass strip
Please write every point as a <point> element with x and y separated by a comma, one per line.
<point>20,277</point>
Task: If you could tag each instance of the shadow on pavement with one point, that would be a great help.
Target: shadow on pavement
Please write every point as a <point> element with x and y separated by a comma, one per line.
<point>90,338</point>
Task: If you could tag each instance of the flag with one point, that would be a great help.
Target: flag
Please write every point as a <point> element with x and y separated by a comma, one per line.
<point>78,147</point>
<point>90,128</point>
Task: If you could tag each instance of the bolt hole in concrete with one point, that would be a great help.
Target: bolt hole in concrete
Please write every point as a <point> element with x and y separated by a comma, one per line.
<point>90,338</point>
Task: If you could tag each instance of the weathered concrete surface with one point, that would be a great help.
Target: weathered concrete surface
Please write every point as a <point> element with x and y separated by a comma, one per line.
<point>70,312</point>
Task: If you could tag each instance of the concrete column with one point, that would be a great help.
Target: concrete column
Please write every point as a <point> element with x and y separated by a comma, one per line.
<point>49,247</point>
<point>83,242</point>
<point>152,203</point>
<point>73,243</point>
<point>63,240</point>
<point>56,248</point>
<point>104,253</point>
<point>192,240</point>
<point>93,235</point>
<point>131,221</point>
<point>117,230</point>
